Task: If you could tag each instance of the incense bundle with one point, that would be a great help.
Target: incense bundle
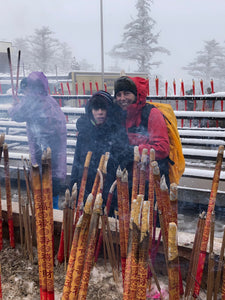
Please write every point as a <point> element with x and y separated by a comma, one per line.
<point>143,253</point>
<point>211,206</point>
<point>108,204</point>
<point>193,264</point>
<point>92,239</point>
<point>8,195</point>
<point>173,262</point>
<point>68,209</point>
<point>110,247</point>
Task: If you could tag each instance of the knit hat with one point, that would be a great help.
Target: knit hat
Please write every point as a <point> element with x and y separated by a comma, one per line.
<point>125,83</point>
<point>100,99</point>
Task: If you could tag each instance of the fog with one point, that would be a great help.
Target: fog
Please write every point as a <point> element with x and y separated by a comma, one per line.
<point>183,26</point>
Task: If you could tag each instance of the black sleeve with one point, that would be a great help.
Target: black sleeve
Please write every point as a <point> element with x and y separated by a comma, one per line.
<point>75,173</point>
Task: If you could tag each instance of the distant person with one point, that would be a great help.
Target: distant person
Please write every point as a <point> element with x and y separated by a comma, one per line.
<point>46,126</point>
<point>190,102</point>
<point>130,96</point>
<point>208,105</point>
<point>99,132</point>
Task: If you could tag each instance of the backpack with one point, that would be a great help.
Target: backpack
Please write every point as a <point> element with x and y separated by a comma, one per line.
<point>176,157</point>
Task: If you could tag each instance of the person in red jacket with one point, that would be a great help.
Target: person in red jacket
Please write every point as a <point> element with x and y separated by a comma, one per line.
<point>130,96</point>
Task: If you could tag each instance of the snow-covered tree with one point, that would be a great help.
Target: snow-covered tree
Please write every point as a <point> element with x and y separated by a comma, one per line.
<point>64,58</point>
<point>74,64</point>
<point>139,43</point>
<point>209,62</point>
<point>43,47</point>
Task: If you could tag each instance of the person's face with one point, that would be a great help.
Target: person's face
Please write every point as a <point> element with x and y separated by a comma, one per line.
<point>125,98</point>
<point>99,115</point>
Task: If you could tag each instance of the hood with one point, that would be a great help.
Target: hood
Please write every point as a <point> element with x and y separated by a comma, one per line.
<point>38,78</point>
<point>134,110</point>
<point>142,85</point>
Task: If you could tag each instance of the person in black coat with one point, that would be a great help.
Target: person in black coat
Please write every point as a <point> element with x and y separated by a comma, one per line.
<point>100,132</point>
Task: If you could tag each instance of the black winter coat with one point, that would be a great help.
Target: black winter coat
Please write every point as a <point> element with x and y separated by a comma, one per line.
<point>108,137</point>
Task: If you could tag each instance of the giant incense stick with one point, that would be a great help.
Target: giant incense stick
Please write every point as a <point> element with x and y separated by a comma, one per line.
<point>80,253</point>
<point>8,195</point>
<point>220,266</point>
<point>173,262</point>
<point>74,250</point>
<point>123,252</point>
<point>48,219</point>
<point>69,272</point>
<point>11,72</point>
<point>95,186</point>
<point>125,204</point>
<point>18,71</point>
<point>1,239</point>
<point>66,225</point>
<point>20,211</point>
<point>135,245</point>
<point>36,182</point>
<point>144,161</point>
<point>135,178</point>
<point>211,206</point>
<point>83,185</point>
<point>211,259</point>
<point>91,248</point>
<point>143,253</point>
<point>132,249</point>
<point>151,197</point>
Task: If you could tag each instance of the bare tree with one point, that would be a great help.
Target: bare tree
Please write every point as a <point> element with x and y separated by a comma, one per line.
<point>139,42</point>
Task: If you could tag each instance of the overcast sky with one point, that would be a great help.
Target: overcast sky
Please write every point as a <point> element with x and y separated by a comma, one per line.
<point>184,25</point>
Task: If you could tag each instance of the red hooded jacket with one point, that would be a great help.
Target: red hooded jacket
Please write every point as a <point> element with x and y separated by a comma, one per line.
<point>157,135</point>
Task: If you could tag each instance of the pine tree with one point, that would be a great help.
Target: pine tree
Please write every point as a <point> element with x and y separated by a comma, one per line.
<point>43,47</point>
<point>139,42</point>
<point>209,62</point>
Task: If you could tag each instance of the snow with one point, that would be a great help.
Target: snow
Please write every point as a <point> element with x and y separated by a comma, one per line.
<point>202,141</point>
<point>201,133</point>
<point>201,152</point>
<point>202,173</point>
<point>200,114</point>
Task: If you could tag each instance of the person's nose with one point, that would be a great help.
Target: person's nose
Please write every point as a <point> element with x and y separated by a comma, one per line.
<point>122,97</point>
